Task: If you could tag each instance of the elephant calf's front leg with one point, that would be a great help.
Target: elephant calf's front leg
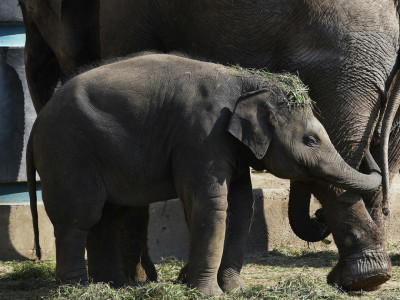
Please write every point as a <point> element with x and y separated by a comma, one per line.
<point>240,212</point>
<point>207,232</point>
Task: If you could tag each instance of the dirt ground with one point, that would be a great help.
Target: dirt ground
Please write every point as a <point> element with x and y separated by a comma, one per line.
<point>261,180</point>
<point>284,273</point>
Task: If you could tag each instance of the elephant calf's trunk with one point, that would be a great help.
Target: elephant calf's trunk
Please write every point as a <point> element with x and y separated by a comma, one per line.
<point>345,177</point>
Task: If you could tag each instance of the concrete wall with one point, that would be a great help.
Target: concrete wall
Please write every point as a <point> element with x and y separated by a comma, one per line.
<point>16,110</point>
<point>10,11</point>
<point>168,235</point>
<point>16,115</point>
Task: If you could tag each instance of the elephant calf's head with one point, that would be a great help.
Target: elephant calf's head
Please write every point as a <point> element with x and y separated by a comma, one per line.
<point>277,124</point>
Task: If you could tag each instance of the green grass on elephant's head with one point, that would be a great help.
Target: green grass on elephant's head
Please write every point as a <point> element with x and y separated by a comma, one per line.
<point>296,90</point>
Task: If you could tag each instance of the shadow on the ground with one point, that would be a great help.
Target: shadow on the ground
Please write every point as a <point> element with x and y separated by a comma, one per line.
<point>314,259</point>
<point>28,288</point>
<point>319,259</point>
<point>395,258</point>
<point>27,279</point>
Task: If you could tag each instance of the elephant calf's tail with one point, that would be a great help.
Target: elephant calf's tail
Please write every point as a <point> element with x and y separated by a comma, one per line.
<point>31,174</point>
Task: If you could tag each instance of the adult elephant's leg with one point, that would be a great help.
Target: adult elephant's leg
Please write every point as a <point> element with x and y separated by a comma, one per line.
<point>41,65</point>
<point>363,261</point>
<point>240,211</point>
<point>373,200</point>
<point>117,246</point>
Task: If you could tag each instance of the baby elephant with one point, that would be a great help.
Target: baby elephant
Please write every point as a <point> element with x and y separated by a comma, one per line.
<point>156,127</point>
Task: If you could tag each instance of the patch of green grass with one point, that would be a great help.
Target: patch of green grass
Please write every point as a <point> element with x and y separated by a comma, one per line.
<point>287,272</point>
<point>169,268</point>
<point>292,287</point>
<point>102,291</point>
<point>290,256</point>
<point>394,253</point>
<point>26,279</point>
<point>43,270</point>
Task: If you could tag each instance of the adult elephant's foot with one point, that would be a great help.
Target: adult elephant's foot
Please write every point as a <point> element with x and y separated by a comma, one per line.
<point>366,270</point>
<point>229,279</point>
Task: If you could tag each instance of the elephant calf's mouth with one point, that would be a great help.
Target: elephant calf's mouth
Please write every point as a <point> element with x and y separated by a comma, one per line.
<point>362,271</point>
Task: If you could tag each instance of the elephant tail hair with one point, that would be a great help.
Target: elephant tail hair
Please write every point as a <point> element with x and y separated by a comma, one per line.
<point>31,175</point>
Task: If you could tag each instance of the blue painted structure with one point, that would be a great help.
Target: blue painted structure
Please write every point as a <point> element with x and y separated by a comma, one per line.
<point>17,192</point>
<point>16,111</point>
<point>12,35</point>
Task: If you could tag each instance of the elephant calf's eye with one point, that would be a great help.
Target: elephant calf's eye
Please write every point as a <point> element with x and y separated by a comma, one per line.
<point>310,140</point>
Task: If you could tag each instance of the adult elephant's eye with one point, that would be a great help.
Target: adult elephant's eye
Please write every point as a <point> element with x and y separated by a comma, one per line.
<point>310,140</point>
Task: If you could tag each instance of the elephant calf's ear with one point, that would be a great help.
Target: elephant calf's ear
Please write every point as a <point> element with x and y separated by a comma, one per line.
<point>250,122</point>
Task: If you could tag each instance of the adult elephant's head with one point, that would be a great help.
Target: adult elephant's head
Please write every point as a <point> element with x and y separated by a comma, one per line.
<point>375,265</point>
<point>316,229</point>
<point>285,138</point>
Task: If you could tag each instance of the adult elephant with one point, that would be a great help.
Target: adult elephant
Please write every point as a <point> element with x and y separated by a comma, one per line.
<point>345,51</point>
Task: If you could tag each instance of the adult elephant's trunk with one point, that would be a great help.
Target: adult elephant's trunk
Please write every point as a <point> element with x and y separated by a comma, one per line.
<point>316,229</point>
<point>309,229</point>
<point>390,112</point>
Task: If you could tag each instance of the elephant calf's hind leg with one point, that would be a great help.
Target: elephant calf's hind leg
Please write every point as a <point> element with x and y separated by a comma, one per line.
<point>70,254</point>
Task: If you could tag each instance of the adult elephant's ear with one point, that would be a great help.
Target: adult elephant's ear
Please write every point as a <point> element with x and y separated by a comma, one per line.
<point>251,121</point>
<point>56,7</point>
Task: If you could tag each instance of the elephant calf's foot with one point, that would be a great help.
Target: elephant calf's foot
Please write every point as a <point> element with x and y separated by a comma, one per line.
<point>209,289</point>
<point>149,268</point>
<point>144,272</point>
<point>229,279</point>
<point>79,276</point>
<point>182,277</point>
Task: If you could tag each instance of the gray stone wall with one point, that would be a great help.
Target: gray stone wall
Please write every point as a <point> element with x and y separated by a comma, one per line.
<point>16,110</point>
<point>10,11</point>
<point>16,115</point>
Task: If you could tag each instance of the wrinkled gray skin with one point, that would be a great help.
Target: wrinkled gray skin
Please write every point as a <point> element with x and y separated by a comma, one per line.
<point>156,127</point>
<point>345,51</point>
